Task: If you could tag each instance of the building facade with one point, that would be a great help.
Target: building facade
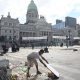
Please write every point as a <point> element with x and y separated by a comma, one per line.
<point>58,21</point>
<point>68,29</point>
<point>70,22</point>
<point>9,28</point>
<point>35,26</point>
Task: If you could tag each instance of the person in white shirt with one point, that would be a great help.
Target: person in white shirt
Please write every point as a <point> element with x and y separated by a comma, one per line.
<point>32,59</point>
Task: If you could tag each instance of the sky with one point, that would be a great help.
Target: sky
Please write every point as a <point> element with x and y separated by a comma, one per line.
<point>50,9</point>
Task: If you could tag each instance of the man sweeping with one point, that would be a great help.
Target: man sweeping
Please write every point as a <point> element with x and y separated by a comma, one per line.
<point>32,59</point>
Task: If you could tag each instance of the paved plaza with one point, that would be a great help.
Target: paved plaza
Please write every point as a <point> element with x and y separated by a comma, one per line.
<point>64,60</point>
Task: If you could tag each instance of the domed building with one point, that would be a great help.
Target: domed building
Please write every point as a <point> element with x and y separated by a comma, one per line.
<point>34,26</point>
<point>32,13</point>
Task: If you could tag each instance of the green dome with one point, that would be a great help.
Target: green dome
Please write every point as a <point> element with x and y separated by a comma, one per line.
<point>32,6</point>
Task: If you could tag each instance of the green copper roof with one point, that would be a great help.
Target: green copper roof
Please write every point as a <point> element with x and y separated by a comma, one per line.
<point>32,6</point>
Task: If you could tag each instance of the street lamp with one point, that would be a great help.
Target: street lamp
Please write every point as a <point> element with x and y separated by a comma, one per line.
<point>68,39</point>
<point>69,36</point>
<point>67,43</point>
<point>13,34</point>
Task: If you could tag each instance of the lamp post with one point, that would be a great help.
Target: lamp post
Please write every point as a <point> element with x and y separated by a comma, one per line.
<point>69,36</point>
<point>68,39</point>
<point>13,34</point>
<point>47,41</point>
<point>67,43</point>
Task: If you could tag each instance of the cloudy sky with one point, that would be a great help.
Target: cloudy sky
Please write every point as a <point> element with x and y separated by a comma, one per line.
<point>51,9</point>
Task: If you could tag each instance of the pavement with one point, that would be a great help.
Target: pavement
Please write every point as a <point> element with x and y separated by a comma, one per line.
<point>64,60</point>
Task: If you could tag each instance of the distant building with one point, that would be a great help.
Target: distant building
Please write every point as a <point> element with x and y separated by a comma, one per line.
<point>70,22</point>
<point>62,29</point>
<point>58,21</point>
<point>60,25</point>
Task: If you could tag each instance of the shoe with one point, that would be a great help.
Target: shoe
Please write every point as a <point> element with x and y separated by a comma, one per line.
<point>38,72</point>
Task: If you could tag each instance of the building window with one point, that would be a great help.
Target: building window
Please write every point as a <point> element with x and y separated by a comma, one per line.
<point>32,15</point>
<point>44,33</point>
<point>29,15</point>
<point>33,34</point>
<point>10,38</point>
<point>23,33</point>
<point>5,31</point>
<point>10,31</point>
<point>5,23</point>
<point>40,33</point>
<point>10,24</point>
<point>14,31</point>
<point>6,37</point>
<point>14,36</point>
<point>36,15</point>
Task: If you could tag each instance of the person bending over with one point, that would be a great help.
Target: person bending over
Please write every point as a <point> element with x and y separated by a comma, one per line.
<point>32,59</point>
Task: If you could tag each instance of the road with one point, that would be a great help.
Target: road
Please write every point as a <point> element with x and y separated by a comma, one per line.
<point>64,60</point>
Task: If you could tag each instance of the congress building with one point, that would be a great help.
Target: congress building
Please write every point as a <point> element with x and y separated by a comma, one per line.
<point>35,26</point>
